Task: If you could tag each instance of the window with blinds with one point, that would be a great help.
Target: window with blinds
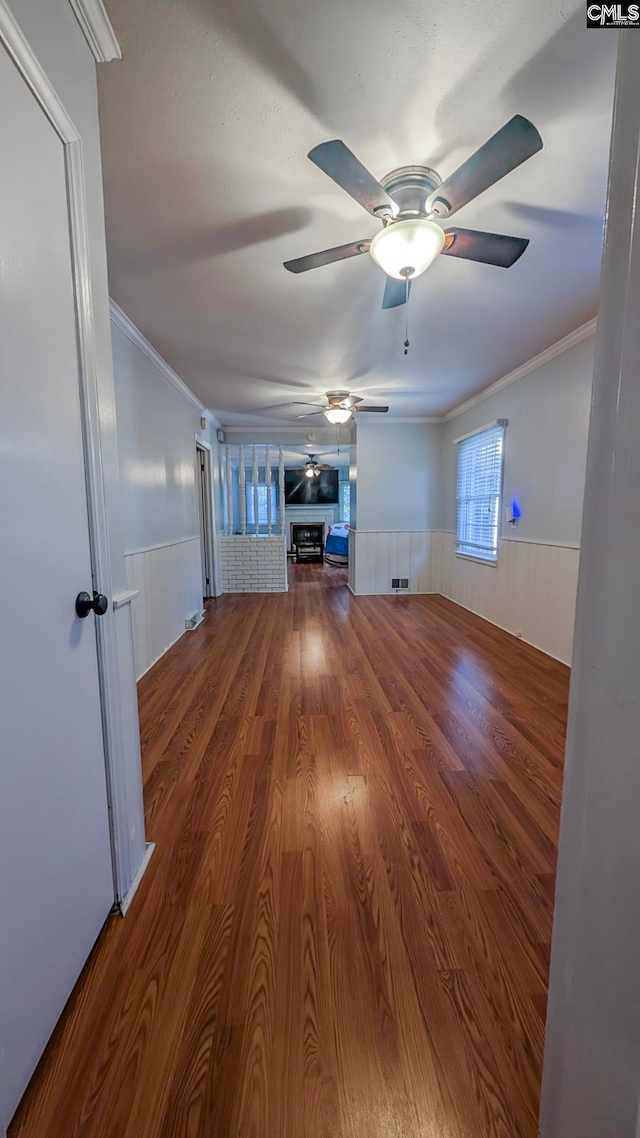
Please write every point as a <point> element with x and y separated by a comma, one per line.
<point>263,513</point>
<point>479,489</point>
<point>345,501</point>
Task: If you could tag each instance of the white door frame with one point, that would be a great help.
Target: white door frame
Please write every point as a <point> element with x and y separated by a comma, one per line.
<point>591,1079</point>
<point>12,38</point>
<point>208,536</point>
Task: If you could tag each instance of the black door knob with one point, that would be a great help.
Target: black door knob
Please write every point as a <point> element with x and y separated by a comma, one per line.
<point>85,603</point>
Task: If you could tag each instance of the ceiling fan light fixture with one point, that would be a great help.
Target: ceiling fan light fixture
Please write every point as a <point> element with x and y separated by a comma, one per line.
<point>338,414</point>
<point>310,471</point>
<point>405,249</point>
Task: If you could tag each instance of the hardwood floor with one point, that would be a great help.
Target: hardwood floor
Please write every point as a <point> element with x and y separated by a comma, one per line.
<point>344,930</point>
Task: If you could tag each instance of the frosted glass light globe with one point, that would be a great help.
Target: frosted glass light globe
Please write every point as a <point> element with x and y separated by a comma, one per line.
<point>410,244</point>
<point>337,414</point>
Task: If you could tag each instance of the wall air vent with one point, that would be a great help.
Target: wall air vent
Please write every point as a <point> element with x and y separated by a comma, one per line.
<point>399,582</point>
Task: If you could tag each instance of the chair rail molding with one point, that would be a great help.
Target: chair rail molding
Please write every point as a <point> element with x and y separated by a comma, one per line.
<point>98,31</point>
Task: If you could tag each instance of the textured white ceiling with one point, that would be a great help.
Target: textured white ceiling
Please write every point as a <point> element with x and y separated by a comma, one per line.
<point>206,125</point>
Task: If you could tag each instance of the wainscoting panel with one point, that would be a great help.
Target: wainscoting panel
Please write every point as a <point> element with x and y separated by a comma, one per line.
<point>131,837</point>
<point>169,579</point>
<point>531,592</point>
<point>352,560</point>
<point>377,556</point>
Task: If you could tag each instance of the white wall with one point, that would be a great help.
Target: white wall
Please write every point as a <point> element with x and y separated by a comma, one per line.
<point>156,439</point>
<point>532,589</point>
<point>398,475</point>
<point>545,447</point>
<point>157,429</point>
<point>398,504</point>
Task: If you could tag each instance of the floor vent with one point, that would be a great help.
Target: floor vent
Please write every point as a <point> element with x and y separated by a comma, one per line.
<point>191,622</point>
<point>399,582</point>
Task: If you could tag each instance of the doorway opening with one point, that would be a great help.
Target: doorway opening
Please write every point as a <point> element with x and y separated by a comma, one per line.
<point>205,518</point>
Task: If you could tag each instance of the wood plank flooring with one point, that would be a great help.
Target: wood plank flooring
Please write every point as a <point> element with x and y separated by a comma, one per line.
<point>344,930</point>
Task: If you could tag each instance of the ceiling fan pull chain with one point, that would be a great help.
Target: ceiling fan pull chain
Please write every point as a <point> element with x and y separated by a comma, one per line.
<point>406,316</point>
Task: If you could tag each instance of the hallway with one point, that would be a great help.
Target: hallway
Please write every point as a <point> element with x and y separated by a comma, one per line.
<point>344,929</point>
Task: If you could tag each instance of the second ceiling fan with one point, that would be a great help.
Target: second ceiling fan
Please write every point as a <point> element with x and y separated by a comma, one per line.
<point>340,407</point>
<point>413,201</point>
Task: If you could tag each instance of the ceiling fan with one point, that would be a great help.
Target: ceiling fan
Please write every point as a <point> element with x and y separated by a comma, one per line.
<point>341,406</point>
<point>312,467</point>
<point>413,201</point>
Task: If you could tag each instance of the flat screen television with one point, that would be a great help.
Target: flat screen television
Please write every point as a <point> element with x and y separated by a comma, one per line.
<point>319,491</point>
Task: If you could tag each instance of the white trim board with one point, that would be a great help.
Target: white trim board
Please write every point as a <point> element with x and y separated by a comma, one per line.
<point>122,321</point>
<point>133,888</point>
<point>161,545</point>
<point>97,28</point>
<point>125,598</point>
<point>504,423</point>
<point>525,540</point>
<point>354,529</point>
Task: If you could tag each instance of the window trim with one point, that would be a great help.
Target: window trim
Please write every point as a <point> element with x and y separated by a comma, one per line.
<point>492,562</point>
<point>478,559</point>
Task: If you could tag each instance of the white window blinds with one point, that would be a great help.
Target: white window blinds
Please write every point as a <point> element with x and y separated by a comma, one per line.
<point>263,514</point>
<point>345,501</point>
<point>479,488</point>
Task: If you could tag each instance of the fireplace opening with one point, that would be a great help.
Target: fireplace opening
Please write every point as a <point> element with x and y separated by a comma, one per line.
<point>307,540</point>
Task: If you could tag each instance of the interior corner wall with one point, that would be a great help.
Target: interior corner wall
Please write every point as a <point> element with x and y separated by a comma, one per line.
<point>531,592</point>
<point>157,429</point>
<point>398,505</point>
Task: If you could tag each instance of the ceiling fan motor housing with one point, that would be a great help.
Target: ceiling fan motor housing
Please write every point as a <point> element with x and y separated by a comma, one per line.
<point>337,398</point>
<point>410,186</point>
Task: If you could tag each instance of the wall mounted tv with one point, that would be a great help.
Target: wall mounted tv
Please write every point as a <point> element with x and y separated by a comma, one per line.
<point>319,491</point>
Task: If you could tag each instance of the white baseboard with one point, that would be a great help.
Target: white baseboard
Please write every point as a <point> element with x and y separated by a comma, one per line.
<point>149,666</point>
<point>509,631</point>
<point>129,895</point>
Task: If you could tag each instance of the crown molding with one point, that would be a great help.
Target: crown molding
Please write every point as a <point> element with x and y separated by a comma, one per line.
<point>98,31</point>
<point>130,330</point>
<point>258,424</point>
<point>563,345</point>
<point>400,419</point>
<point>134,334</point>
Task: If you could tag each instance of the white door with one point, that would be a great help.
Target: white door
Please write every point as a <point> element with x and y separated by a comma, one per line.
<point>56,883</point>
